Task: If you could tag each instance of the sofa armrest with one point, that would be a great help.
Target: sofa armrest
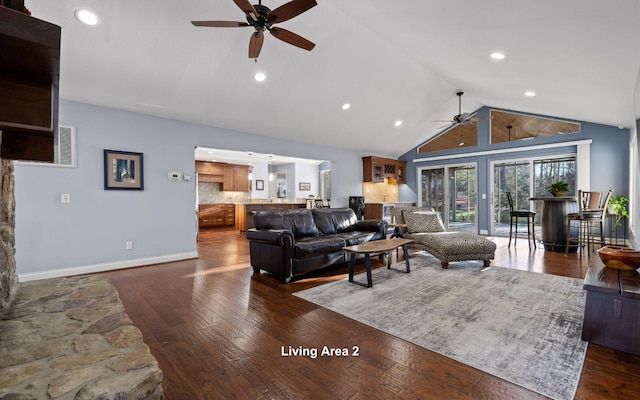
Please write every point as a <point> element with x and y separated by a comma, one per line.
<point>371,225</point>
<point>280,237</point>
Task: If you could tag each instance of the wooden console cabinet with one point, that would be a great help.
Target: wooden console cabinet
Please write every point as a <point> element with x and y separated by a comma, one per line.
<point>382,210</point>
<point>376,169</point>
<point>612,307</point>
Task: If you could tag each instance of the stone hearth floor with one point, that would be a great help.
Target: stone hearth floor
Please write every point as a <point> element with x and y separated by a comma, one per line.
<point>70,338</point>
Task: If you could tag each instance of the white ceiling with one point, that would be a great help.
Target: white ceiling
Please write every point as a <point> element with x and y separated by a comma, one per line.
<point>393,59</point>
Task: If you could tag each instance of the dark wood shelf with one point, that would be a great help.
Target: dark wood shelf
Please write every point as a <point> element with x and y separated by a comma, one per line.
<point>29,81</point>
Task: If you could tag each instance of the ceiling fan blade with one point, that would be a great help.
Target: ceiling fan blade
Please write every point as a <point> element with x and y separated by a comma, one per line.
<point>255,44</point>
<point>443,120</point>
<point>219,24</point>
<point>464,116</point>
<point>247,8</point>
<point>444,126</point>
<point>290,10</point>
<point>467,123</point>
<point>292,38</point>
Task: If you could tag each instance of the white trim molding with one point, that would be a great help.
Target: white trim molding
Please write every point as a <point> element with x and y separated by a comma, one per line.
<point>505,151</point>
<point>90,269</point>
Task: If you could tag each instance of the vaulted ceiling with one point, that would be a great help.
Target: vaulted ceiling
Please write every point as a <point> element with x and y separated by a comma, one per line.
<point>391,60</point>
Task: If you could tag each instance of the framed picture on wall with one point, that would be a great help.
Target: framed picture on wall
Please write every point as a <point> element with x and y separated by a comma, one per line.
<point>123,170</point>
<point>259,184</point>
<point>304,186</point>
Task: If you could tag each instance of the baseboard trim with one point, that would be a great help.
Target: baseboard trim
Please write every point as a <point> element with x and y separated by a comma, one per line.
<point>90,269</point>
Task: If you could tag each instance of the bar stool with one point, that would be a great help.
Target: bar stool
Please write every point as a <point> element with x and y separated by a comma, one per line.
<point>592,209</point>
<point>515,215</point>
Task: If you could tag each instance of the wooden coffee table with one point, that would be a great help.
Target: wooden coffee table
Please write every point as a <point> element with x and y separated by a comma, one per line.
<point>375,247</point>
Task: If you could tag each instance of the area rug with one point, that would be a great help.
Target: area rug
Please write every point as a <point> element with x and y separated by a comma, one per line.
<point>520,326</point>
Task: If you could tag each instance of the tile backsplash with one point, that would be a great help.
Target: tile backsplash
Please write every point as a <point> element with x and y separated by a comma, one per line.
<point>380,192</point>
<point>209,193</point>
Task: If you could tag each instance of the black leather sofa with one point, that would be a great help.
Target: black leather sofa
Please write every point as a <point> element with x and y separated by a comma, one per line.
<point>290,243</point>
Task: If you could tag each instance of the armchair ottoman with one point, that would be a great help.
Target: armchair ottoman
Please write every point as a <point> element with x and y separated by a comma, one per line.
<point>455,246</point>
<point>425,228</point>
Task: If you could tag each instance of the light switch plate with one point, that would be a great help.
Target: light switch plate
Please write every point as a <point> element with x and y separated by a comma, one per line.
<point>65,198</point>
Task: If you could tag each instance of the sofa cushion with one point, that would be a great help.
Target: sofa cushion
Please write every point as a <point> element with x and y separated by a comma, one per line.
<point>300,222</point>
<point>357,237</point>
<point>398,218</point>
<point>334,220</point>
<point>309,246</point>
<point>423,221</point>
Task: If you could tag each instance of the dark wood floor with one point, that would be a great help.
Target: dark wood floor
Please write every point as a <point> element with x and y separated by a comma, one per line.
<point>217,332</point>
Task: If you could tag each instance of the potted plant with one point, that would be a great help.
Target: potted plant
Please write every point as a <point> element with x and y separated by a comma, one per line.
<point>618,207</point>
<point>558,189</point>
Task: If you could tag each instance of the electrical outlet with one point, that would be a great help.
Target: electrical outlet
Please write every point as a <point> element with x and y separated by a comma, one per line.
<point>65,198</point>
<point>129,245</point>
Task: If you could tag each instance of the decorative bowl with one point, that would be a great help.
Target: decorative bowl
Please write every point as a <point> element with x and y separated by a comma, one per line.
<point>622,258</point>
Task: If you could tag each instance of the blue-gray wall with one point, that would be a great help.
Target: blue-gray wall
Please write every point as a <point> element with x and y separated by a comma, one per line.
<point>609,160</point>
<point>89,234</point>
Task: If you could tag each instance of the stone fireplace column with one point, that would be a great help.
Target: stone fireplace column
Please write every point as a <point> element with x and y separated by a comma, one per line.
<point>7,233</point>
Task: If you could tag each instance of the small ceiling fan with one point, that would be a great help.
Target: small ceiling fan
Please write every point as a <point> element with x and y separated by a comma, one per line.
<point>464,119</point>
<point>261,18</point>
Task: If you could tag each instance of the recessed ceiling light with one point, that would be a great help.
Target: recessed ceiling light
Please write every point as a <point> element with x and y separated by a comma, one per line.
<point>260,77</point>
<point>397,123</point>
<point>346,106</point>
<point>529,93</point>
<point>497,55</point>
<point>86,17</point>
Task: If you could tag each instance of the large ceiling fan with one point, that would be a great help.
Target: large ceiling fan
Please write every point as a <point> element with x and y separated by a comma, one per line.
<point>464,119</point>
<point>261,18</point>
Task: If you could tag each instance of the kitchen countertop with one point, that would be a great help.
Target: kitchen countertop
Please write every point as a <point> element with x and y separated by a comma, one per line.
<point>389,202</point>
<point>273,202</point>
<point>256,202</point>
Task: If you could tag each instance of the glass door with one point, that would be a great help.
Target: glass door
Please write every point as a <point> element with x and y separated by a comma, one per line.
<point>462,198</point>
<point>452,191</point>
<point>514,177</point>
<point>526,178</point>
<point>432,189</point>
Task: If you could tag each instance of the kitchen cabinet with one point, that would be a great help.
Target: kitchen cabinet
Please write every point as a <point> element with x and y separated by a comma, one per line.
<point>211,215</point>
<point>210,178</point>
<point>376,169</point>
<point>209,168</point>
<point>236,178</point>
<point>232,177</point>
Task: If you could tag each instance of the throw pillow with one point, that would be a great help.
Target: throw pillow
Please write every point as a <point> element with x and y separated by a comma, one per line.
<point>423,221</point>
